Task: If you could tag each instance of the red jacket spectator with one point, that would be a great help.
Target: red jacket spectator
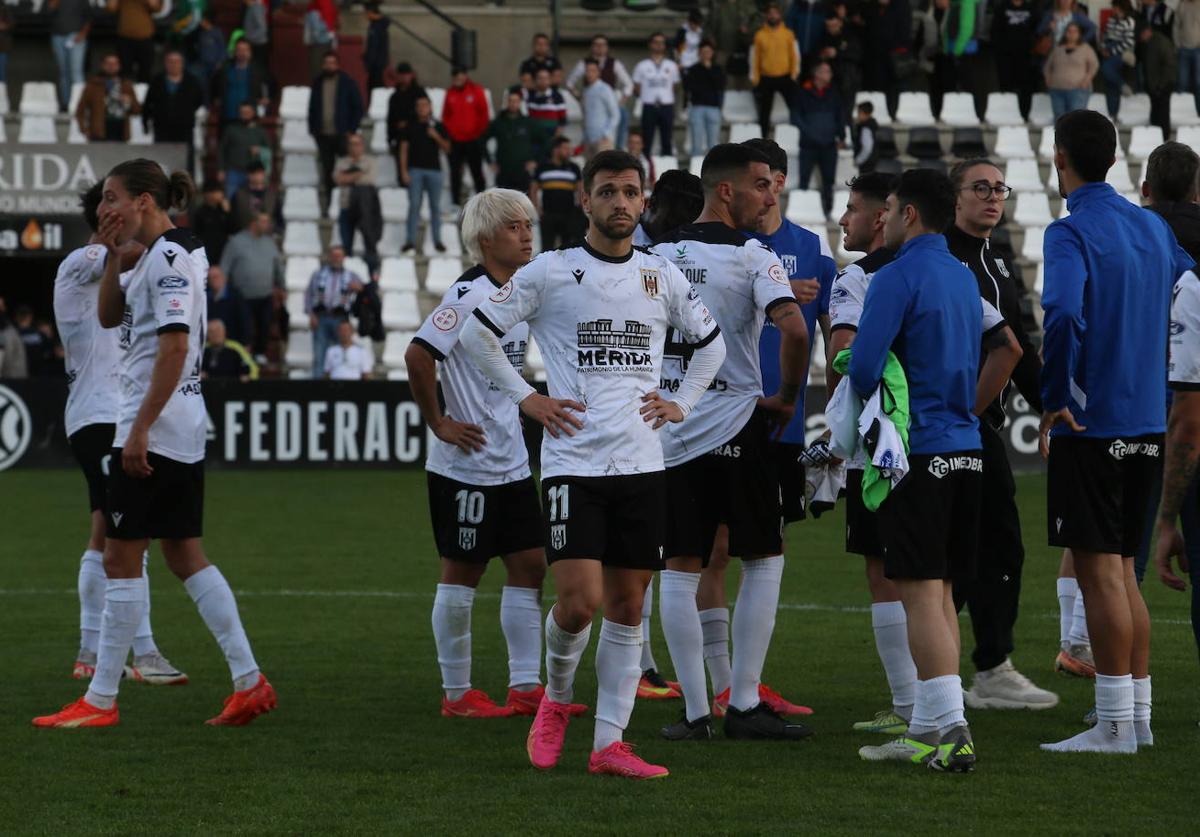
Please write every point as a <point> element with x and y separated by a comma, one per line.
<point>328,11</point>
<point>465,113</point>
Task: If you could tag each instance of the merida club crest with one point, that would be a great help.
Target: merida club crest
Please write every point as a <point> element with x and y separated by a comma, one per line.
<point>650,281</point>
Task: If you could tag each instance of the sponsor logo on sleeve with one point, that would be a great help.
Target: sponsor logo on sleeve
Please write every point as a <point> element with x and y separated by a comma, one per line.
<point>172,282</point>
<point>93,252</point>
<point>777,274</point>
<point>503,294</point>
<point>445,319</point>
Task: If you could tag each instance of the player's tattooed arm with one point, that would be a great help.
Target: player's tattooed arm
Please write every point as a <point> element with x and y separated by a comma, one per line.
<point>1179,472</point>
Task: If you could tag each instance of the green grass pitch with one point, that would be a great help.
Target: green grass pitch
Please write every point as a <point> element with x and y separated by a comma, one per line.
<point>335,573</point>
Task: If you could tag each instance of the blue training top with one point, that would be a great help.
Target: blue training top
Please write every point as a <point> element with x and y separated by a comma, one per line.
<point>800,252</point>
<point>924,306</point>
<point>1110,267</point>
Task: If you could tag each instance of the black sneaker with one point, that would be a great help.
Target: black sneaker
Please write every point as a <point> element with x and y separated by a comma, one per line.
<point>762,722</point>
<point>441,248</point>
<point>655,679</point>
<point>700,729</point>
<point>407,248</point>
<point>955,752</point>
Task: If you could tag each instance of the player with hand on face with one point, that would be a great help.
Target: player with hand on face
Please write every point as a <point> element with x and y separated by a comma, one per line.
<point>600,313</point>
<point>156,480</point>
<point>482,497</point>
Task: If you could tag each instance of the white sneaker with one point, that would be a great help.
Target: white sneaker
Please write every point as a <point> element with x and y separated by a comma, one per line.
<point>155,670</point>
<point>1003,687</point>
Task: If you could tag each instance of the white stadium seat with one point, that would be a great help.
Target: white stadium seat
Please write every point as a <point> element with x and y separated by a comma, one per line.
<point>840,197</point>
<point>301,203</point>
<point>385,170</point>
<point>914,109</point>
<point>299,353</point>
<point>302,238</point>
<point>1039,279</point>
<point>1098,103</point>
<point>1118,177</point>
<point>437,98</point>
<point>804,207</point>
<point>378,108</point>
<point>663,164</point>
<point>1134,197</point>
<point>379,143</point>
<point>39,98</point>
<point>401,311</point>
<point>879,100</point>
<point>738,106</point>
<point>1144,139</point>
<point>392,241</point>
<point>1046,147</point>
<point>1012,142</point>
<point>76,95</point>
<point>297,319</point>
<point>1033,209</point>
<point>393,202</point>
<point>140,89</point>
<point>296,138</point>
<point>357,266</point>
<point>74,135</point>
<point>574,108</point>
<point>742,131</point>
<point>958,110</point>
<point>1041,114</point>
<point>449,234</point>
<point>38,129</point>
<point>695,164</point>
<point>1024,176</point>
<point>1003,109</point>
<point>787,137</point>
<point>398,274</point>
<point>1063,211</point>
<point>293,104</point>
<point>1189,135</point>
<point>394,347</point>
<point>443,270</point>
<point>4,107</point>
<point>335,204</point>
<point>1135,110</point>
<point>300,170</point>
<point>3,132</point>
<point>1183,109</point>
<point>1031,249</point>
<point>298,272</point>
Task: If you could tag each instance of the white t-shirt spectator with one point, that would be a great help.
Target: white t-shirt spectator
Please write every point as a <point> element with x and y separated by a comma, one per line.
<point>348,364</point>
<point>656,82</point>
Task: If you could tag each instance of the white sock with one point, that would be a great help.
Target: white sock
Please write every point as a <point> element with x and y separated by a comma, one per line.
<point>1141,711</point>
<point>521,621</point>
<point>945,701</point>
<point>714,623</point>
<point>890,624</point>
<point>143,640</point>
<point>452,636</point>
<point>617,676</point>
<point>647,610</point>
<point>1068,589</point>
<point>1079,628</point>
<point>218,608</point>
<point>563,650</point>
<point>753,624</point>
<point>923,720</point>
<point>1114,730</point>
<point>685,637</point>
<point>123,603</point>
<point>92,584</point>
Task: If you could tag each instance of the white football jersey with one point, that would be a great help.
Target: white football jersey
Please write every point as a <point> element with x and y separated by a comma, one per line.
<point>93,354</point>
<point>850,292</point>
<point>470,396</point>
<point>164,292</point>
<point>601,323</point>
<point>740,280</point>
<point>1183,371</point>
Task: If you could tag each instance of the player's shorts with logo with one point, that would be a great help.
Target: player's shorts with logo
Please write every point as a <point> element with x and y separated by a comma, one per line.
<point>167,504</point>
<point>736,484</point>
<point>1097,489</point>
<point>616,520</point>
<point>862,524</point>
<point>929,523</point>
<point>475,523</point>
<point>790,471</point>
<point>91,444</point>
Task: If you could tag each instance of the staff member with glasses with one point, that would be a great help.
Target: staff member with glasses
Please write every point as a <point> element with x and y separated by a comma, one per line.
<point>992,598</point>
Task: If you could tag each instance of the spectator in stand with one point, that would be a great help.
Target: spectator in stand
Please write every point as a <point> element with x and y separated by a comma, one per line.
<point>335,109</point>
<point>256,30</point>
<point>402,105</point>
<point>1157,15</point>
<point>518,138</point>
<point>348,361</point>
<point>863,133</point>
<point>254,265</point>
<point>239,80</point>
<point>821,119</point>
<point>328,300</point>
<point>421,145</point>
<point>70,25</point>
<point>1116,52</point>
<point>888,61</point>
<point>135,35</point>
<point>555,193</point>
<point>612,73</point>
<point>704,84</point>
<point>1160,72</point>
<point>368,310</point>
<point>6,41</point>
<point>541,59</point>
<point>654,81</point>
<point>258,195</point>
<point>842,47</point>
<point>602,111</point>
<point>688,39</point>
<point>208,54</point>
<point>732,24</point>
<point>243,143</point>
<point>1013,38</point>
<point>107,103</point>
<point>221,359</point>
<point>39,346</point>
<point>376,53</point>
<point>320,32</point>
<point>546,106</point>
<point>12,349</point>
<point>806,19</point>
<point>171,104</point>
<point>1069,72</point>
<point>1054,23</point>
<point>212,221</point>
<point>55,363</point>
<point>356,177</point>
<point>465,117</point>
<point>226,303</point>
<point>774,67</point>
<point>635,146</point>
<point>1187,38</point>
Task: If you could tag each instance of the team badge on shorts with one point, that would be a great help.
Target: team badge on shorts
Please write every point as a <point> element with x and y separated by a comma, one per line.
<point>650,281</point>
<point>558,535</point>
<point>466,538</point>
